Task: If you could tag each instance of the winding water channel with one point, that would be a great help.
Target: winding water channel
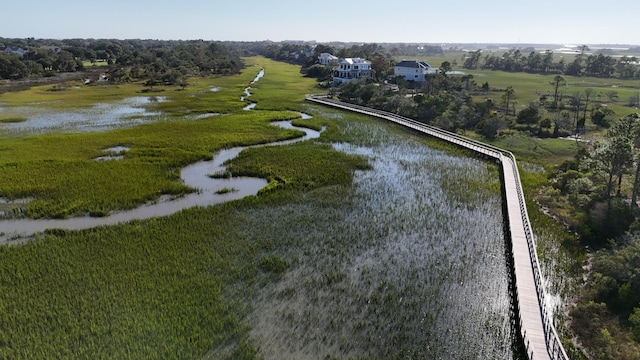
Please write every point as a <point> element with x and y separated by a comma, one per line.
<point>195,176</point>
<point>210,192</point>
<point>408,262</point>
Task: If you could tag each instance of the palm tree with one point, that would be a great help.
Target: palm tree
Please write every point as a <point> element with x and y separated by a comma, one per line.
<point>467,78</point>
<point>557,81</point>
<point>507,97</point>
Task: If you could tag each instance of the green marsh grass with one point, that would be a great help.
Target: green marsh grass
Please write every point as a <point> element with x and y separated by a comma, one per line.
<point>376,267</point>
<point>366,249</point>
<point>74,96</point>
<point>538,150</point>
<point>275,91</point>
<point>9,120</point>
<point>226,190</point>
<point>58,170</point>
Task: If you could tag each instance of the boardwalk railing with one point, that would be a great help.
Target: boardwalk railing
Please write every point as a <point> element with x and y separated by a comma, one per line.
<point>538,331</point>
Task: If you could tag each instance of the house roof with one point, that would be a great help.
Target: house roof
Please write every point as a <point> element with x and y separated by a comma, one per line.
<point>413,64</point>
<point>356,61</point>
<point>328,56</point>
<point>14,49</point>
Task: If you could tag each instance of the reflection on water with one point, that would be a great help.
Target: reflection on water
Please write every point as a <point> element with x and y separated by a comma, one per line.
<point>195,176</point>
<point>403,267</point>
<point>247,91</point>
<point>113,153</point>
<point>258,77</point>
<point>101,117</point>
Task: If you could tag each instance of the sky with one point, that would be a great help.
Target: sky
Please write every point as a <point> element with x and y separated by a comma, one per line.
<point>381,21</point>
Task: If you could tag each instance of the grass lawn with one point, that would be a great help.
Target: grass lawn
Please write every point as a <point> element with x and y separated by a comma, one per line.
<point>89,64</point>
<point>529,87</point>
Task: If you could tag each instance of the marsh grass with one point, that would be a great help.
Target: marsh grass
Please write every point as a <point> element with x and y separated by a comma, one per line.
<point>152,288</point>
<point>545,151</point>
<point>389,267</point>
<point>364,248</point>
<point>226,190</point>
<point>57,170</point>
<point>9,120</point>
<point>73,96</point>
<point>301,165</point>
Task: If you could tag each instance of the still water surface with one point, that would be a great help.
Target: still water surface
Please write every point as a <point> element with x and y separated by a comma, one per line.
<point>101,117</point>
<point>409,262</point>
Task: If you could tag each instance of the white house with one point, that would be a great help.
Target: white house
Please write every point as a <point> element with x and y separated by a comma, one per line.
<point>413,70</point>
<point>327,59</point>
<point>351,69</point>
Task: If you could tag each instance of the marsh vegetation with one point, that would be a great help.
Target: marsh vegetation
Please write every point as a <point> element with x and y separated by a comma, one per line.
<point>366,242</point>
<point>408,262</point>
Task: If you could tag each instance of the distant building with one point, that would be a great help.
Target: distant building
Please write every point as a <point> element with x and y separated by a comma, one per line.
<point>351,69</point>
<point>14,50</point>
<point>413,70</point>
<point>327,59</point>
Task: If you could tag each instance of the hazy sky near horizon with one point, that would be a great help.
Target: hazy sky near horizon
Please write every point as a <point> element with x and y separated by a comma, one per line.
<point>462,21</point>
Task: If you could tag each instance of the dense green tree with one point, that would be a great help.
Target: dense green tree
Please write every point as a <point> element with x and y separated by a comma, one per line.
<point>628,127</point>
<point>489,127</point>
<point>547,61</point>
<point>472,60</point>
<point>614,155</point>
<point>562,123</point>
<point>466,78</point>
<point>627,68</point>
<point>601,115</point>
<point>600,65</point>
<point>381,66</point>
<point>534,62</point>
<point>199,57</point>
<point>444,68</point>
<point>320,72</point>
<point>530,115</point>
<point>634,321</point>
<point>11,67</point>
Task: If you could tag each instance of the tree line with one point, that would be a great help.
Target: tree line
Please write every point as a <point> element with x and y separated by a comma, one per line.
<point>583,64</point>
<point>158,61</point>
<point>601,186</point>
<point>171,62</point>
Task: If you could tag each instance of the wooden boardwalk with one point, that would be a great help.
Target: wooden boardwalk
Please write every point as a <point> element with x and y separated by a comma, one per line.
<point>534,322</point>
